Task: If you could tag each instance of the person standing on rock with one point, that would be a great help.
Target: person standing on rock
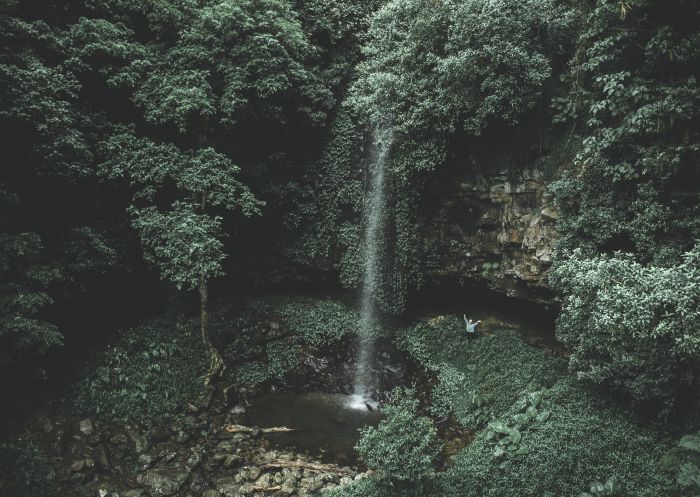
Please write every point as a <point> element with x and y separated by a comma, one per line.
<point>470,325</point>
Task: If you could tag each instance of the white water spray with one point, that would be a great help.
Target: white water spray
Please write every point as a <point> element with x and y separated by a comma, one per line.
<point>371,276</point>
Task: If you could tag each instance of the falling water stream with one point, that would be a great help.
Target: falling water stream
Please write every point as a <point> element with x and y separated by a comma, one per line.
<point>371,275</point>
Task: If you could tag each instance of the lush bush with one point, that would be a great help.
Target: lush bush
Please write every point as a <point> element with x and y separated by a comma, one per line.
<point>319,323</point>
<point>452,385</point>
<point>280,358</point>
<point>557,442</point>
<point>151,373</point>
<point>25,471</point>
<point>632,326</point>
<point>366,487</point>
<point>404,446</point>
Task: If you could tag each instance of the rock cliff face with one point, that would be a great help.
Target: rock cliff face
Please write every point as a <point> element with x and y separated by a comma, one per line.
<point>495,227</point>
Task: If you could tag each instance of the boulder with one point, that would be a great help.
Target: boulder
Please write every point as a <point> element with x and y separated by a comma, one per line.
<point>164,482</point>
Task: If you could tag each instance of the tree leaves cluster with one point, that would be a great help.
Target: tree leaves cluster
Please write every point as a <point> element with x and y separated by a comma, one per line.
<point>631,320</point>
<point>633,326</point>
<point>158,117</point>
<point>404,447</point>
<point>435,74</point>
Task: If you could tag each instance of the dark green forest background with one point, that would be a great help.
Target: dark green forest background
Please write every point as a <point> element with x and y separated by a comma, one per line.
<point>216,147</point>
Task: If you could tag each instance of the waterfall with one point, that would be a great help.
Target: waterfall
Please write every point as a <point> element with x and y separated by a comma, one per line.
<point>371,272</point>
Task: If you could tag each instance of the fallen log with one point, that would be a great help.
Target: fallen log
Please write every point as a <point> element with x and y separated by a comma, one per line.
<point>248,429</point>
<point>260,488</point>
<point>283,463</point>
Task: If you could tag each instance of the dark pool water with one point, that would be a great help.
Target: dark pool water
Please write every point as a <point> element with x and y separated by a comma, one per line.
<point>325,425</point>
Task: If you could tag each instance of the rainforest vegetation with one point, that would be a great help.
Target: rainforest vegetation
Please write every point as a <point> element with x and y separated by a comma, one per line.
<point>183,206</point>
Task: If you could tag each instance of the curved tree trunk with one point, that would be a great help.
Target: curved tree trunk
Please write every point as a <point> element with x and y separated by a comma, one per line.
<point>216,363</point>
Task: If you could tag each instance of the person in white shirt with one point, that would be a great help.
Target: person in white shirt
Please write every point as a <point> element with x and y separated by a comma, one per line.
<point>470,325</point>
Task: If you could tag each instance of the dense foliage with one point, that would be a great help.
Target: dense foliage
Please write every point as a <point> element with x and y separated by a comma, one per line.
<point>404,447</point>
<point>151,373</point>
<point>475,383</point>
<point>228,146</point>
<point>633,326</point>
<point>631,320</point>
<point>156,119</point>
<point>538,430</point>
<point>563,440</point>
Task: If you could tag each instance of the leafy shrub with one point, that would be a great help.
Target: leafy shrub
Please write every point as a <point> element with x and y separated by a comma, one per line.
<point>683,461</point>
<point>404,446</point>
<point>631,321</point>
<point>635,96</point>
<point>366,487</point>
<point>507,437</point>
<point>25,471</point>
<point>280,358</point>
<point>631,326</point>
<point>152,372</point>
<point>319,323</point>
<point>451,383</point>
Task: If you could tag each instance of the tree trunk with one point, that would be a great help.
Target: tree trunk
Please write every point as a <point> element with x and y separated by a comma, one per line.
<point>216,364</point>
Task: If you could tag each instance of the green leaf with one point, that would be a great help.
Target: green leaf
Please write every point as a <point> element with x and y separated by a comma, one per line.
<point>543,416</point>
<point>690,442</point>
<point>514,435</point>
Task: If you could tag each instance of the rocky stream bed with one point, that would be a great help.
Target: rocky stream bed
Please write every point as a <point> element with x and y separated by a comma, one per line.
<point>197,456</point>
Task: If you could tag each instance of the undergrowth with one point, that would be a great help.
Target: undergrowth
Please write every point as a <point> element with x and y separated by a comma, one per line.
<point>24,470</point>
<point>479,376</point>
<point>151,372</point>
<point>539,433</point>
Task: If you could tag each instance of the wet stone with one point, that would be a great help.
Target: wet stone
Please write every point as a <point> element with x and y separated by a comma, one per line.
<point>247,489</point>
<point>78,466</point>
<point>164,482</point>
<point>158,434</point>
<point>145,460</point>
<point>181,437</point>
<point>252,473</point>
<point>46,424</point>
<point>119,439</point>
<point>287,488</point>
<point>265,480</point>
<point>232,460</point>
<point>227,486</point>
<point>135,492</point>
<point>86,427</point>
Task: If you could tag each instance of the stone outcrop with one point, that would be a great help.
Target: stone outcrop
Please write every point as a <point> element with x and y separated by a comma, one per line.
<point>497,227</point>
